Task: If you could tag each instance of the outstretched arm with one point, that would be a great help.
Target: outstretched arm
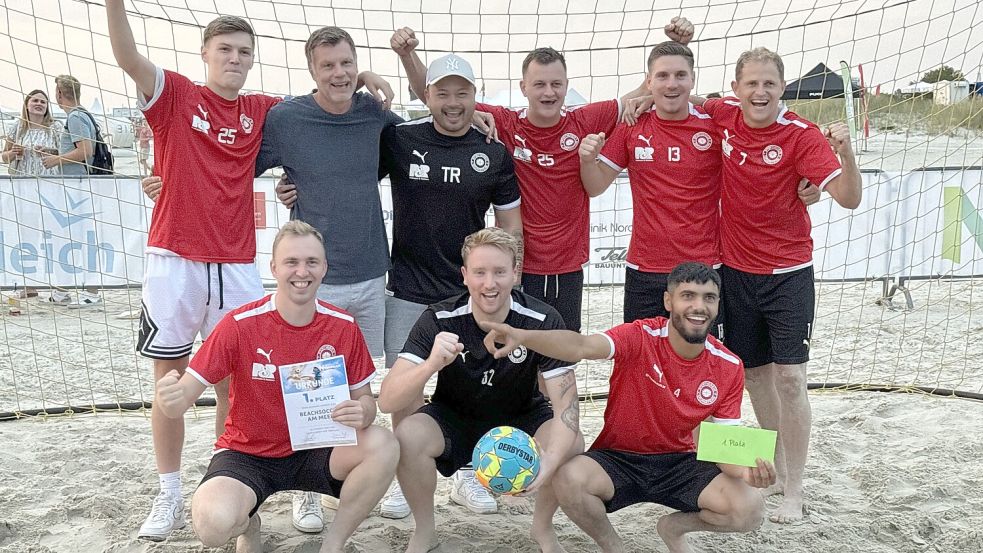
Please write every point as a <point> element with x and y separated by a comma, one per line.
<point>564,345</point>
<point>140,69</point>
<point>404,43</point>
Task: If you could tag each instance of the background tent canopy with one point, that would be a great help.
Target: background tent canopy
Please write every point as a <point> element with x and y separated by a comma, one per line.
<point>819,82</point>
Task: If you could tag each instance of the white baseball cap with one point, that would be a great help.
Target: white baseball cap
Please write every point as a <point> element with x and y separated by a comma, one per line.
<point>447,66</point>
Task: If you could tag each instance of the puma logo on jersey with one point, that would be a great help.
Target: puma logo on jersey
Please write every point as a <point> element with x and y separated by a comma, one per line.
<point>201,124</point>
<point>644,153</point>
<point>654,381</point>
<point>420,171</point>
<point>521,152</point>
<point>463,355</point>
<point>264,371</point>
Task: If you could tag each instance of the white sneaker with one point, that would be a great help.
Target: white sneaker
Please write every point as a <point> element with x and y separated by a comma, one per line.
<point>307,513</point>
<point>58,297</point>
<point>85,299</point>
<point>394,505</point>
<point>468,492</point>
<point>166,515</point>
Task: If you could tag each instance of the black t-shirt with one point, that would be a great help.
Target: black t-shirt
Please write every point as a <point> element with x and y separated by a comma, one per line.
<point>442,187</point>
<point>475,384</point>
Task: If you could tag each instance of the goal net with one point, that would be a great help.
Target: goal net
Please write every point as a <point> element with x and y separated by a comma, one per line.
<point>898,291</point>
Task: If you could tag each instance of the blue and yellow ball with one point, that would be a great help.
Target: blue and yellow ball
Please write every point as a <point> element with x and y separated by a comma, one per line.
<point>506,460</point>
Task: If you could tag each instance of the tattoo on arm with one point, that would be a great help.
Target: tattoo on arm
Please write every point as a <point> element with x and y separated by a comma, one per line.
<point>519,255</point>
<point>571,415</point>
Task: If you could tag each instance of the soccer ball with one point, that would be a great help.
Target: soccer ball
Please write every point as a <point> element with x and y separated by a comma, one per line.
<point>506,460</point>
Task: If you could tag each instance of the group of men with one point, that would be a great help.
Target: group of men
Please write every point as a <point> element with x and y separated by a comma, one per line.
<point>493,346</point>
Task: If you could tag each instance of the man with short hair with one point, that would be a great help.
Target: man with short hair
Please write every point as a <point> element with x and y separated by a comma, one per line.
<point>766,249</point>
<point>543,139</point>
<point>201,244</point>
<point>312,137</point>
<point>668,377</point>
<point>672,155</point>
<point>328,145</point>
<point>254,458</point>
<point>476,392</point>
<point>77,144</point>
<point>444,177</point>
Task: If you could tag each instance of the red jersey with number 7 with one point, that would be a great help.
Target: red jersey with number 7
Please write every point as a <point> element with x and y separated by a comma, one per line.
<point>765,228</point>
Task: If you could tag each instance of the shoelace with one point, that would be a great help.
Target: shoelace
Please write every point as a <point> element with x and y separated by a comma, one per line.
<point>163,507</point>
<point>307,505</point>
<point>475,489</point>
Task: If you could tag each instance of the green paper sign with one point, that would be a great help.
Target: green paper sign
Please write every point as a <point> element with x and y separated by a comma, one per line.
<point>735,445</point>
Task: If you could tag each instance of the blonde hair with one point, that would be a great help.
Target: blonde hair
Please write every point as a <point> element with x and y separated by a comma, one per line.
<point>491,236</point>
<point>296,228</point>
<point>25,118</point>
<point>69,87</point>
<point>226,25</point>
<point>761,55</point>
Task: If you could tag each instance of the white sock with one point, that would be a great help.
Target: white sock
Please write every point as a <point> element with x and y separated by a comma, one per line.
<point>171,483</point>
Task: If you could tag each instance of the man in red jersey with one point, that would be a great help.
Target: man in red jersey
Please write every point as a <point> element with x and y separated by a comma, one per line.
<point>254,458</point>
<point>202,240</point>
<point>543,140</point>
<point>766,249</point>
<point>668,377</point>
<point>672,154</point>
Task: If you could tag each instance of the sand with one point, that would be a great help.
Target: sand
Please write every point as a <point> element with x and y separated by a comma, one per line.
<point>888,473</point>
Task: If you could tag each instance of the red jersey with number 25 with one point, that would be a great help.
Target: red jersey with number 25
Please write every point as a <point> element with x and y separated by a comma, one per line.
<point>674,170</point>
<point>250,344</point>
<point>555,207</point>
<point>765,228</point>
<point>205,150</point>
<point>657,398</point>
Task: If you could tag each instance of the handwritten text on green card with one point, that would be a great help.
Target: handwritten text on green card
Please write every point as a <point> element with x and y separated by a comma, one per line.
<point>735,445</point>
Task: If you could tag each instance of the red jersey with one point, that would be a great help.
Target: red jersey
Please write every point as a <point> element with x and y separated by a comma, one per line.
<point>657,398</point>
<point>205,149</point>
<point>555,207</point>
<point>249,343</point>
<point>674,170</point>
<point>765,228</point>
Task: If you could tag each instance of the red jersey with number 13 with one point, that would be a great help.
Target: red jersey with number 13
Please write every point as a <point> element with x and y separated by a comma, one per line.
<point>205,150</point>
<point>674,171</point>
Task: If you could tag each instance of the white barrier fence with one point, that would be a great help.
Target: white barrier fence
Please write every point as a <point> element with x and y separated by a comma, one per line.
<point>92,231</point>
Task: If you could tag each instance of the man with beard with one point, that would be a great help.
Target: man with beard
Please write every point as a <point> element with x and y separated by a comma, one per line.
<point>668,376</point>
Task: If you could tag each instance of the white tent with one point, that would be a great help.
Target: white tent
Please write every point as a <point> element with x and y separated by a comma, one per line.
<point>918,88</point>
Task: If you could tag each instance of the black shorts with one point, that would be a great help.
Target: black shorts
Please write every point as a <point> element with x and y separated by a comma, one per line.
<point>462,434</point>
<point>769,317</point>
<point>561,292</point>
<point>305,470</point>
<point>675,480</point>
<point>645,298</point>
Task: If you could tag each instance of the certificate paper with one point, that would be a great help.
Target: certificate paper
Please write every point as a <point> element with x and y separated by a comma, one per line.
<point>310,392</point>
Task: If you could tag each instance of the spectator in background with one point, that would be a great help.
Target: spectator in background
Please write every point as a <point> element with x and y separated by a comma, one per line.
<point>35,133</point>
<point>141,136</point>
<point>78,140</point>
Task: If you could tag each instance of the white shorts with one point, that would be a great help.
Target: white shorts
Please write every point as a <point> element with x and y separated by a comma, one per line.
<point>182,298</point>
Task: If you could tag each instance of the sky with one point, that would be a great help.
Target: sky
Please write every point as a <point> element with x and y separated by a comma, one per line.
<point>606,42</point>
